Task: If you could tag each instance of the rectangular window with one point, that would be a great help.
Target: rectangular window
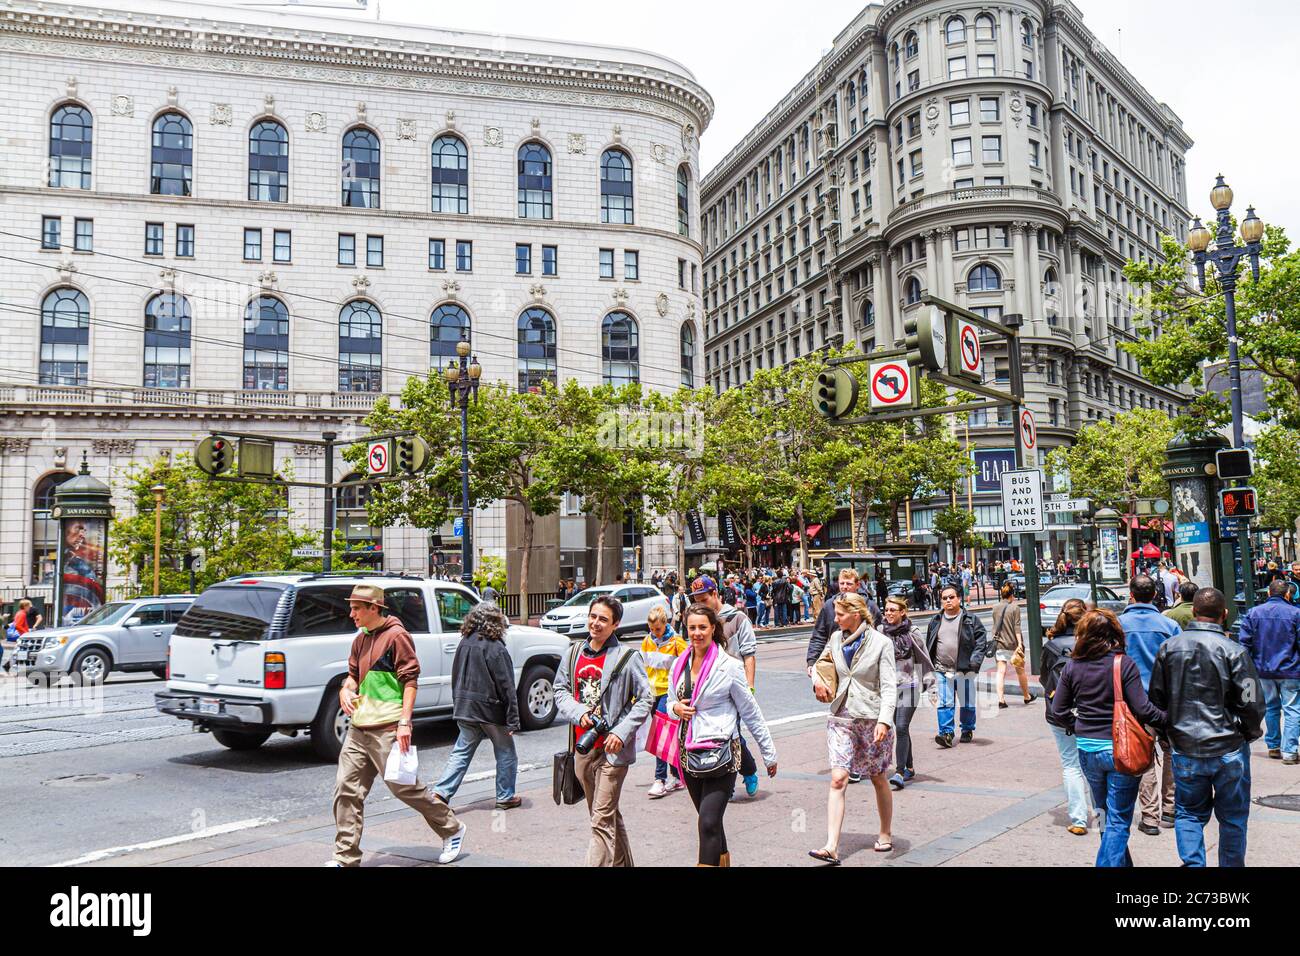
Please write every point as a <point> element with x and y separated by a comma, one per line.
<point>994,181</point>
<point>961,152</point>
<point>375,252</point>
<point>52,230</point>
<point>956,68</point>
<point>523,259</point>
<point>252,243</point>
<point>550,260</point>
<point>184,239</point>
<point>992,149</point>
<point>464,256</point>
<point>1035,158</point>
<point>348,249</point>
<point>607,264</point>
<point>84,237</point>
<point>282,251</point>
<point>913,80</point>
<point>681,273</point>
<point>1028,69</point>
<point>153,240</point>
<point>963,184</point>
<point>914,124</point>
<point>990,109</point>
<point>437,254</point>
<point>917,166</point>
<point>631,266</point>
<point>986,64</point>
<point>1033,114</point>
<point>959,112</point>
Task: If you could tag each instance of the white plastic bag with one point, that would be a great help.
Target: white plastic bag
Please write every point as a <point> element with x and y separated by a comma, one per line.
<point>402,767</point>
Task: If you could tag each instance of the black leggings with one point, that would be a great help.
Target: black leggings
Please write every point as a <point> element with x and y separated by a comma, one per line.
<point>710,796</point>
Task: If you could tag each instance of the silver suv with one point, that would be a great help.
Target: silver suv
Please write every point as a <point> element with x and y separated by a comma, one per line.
<point>121,636</point>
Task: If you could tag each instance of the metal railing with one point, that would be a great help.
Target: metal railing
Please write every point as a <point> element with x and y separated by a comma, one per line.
<point>536,604</point>
<point>949,197</point>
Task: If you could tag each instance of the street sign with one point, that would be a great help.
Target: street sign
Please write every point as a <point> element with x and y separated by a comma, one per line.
<point>458,527</point>
<point>1022,501</point>
<point>1028,430</point>
<point>969,353</point>
<point>256,458</point>
<point>1067,506</point>
<point>1234,463</point>
<point>379,458</point>
<point>308,553</point>
<point>891,385</point>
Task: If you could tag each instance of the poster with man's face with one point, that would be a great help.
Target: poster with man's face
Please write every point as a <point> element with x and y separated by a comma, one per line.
<point>85,566</point>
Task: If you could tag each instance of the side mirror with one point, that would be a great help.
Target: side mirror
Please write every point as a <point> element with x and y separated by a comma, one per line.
<point>131,622</point>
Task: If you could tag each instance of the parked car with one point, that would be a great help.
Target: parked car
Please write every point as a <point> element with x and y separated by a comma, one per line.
<point>570,618</point>
<point>1053,600</point>
<point>122,636</point>
<point>1017,578</point>
<point>903,589</point>
<point>268,653</point>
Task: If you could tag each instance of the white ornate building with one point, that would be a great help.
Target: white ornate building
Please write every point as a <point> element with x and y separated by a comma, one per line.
<point>994,155</point>
<point>241,219</point>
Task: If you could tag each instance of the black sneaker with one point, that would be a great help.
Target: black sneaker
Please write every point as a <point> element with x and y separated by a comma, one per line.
<point>1031,698</point>
<point>943,740</point>
<point>1148,829</point>
<point>855,777</point>
<point>967,736</point>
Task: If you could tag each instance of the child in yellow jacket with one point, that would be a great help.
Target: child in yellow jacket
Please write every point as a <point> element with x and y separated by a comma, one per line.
<point>660,649</point>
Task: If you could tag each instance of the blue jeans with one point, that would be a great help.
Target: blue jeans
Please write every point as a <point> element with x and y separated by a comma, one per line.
<point>1117,793</point>
<point>781,611</point>
<point>471,735</point>
<point>1281,715</point>
<point>763,609</point>
<point>1076,786</point>
<point>1221,784</point>
<point>949,687</point>
<point>807,606</point>
<point>662,766</point>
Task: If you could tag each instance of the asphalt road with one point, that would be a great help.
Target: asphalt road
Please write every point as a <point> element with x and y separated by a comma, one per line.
<point>100,775</point>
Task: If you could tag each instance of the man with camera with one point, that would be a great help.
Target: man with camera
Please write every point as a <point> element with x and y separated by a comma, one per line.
<point>602,688</point>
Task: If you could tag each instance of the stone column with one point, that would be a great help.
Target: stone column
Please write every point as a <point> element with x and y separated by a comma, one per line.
<point>1035,290</point>
<point>1076,287</point>
<point>893,293</point>
<point>945,262</point>
<point>931,263</point>
<point>1020,267</point>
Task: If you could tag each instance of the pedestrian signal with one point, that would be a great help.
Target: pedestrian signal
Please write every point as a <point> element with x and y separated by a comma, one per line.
<point>1238,502</point>
<point>214,455</point>
<point>836,394</point>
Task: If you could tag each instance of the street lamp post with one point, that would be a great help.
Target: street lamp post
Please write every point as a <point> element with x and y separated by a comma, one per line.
<point>462,382</point>
<point>158,491</point>
<point>1226,258</point>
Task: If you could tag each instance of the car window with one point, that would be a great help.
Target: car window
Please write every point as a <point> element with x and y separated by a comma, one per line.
<point>1107,594</point>
<point>408,604</point>
<point>641,594</point>
<point>175,612</point>
<point>320,611</point>
<point>453,606</point>
<point>151,614</point>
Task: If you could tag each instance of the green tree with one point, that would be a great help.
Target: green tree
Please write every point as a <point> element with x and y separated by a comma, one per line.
<point>957,526</point>
<point>685,488</point>
<point>1277,477</point>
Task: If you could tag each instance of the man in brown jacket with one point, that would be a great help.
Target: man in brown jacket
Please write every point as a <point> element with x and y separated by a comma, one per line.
<point>379,696</point>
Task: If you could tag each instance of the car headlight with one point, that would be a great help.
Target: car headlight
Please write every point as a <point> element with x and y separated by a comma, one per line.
<point>53,642</point>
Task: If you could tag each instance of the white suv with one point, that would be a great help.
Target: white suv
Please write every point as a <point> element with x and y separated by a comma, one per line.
<point>266,653</point>
<point>570,618</point>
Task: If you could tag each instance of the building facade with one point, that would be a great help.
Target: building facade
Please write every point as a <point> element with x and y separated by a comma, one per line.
<point>225,219</point>
<point>997,156</point>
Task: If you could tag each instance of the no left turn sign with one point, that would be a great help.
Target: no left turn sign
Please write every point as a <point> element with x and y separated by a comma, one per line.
<point>968,343</point>
<point>1028,430</point>
<point>891,385</point>
<point>377,460</point>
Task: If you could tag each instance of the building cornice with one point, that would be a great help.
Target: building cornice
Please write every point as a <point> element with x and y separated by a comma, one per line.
<point>354,59</point>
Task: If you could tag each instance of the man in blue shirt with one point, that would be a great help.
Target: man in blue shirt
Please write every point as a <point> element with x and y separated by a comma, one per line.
<point>1271,632</point>
<point>1145,629</point>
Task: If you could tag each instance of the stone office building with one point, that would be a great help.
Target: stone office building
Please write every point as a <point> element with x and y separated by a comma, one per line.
<point>997,156</point>
<point>262,221</point>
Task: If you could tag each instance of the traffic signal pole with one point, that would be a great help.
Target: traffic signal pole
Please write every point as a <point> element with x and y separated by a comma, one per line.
<point>1028,542</point>
<point>327,552</point>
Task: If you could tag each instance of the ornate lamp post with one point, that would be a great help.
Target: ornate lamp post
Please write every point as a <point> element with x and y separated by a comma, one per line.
<point>1226,258</point>
<point>462,382</point>
<point>158,491</point>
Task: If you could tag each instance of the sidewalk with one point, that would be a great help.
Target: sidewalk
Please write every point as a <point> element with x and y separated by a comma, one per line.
<point>995,801</point>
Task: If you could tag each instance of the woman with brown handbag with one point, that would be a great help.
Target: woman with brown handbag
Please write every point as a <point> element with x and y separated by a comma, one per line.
<point>1085,700</point>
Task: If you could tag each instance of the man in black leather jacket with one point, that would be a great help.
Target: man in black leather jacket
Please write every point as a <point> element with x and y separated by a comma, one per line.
<point>1210,688</point>
<point>956,664</point>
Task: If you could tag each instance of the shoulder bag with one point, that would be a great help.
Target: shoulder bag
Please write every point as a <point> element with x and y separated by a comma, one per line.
<point>718,759</point>
<point>565,786</point>
<point>1134,747</point>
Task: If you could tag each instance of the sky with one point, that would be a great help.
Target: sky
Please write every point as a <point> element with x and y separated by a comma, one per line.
<point>749,55</point>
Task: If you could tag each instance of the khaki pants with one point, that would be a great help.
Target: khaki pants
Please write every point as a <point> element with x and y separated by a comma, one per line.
<point>365,753</point>
<point>1153,802</point>
<point>603,785</point>
<point>817,603</point>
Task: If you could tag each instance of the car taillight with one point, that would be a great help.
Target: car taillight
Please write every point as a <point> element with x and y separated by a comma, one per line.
<point>273,671</point>
<point>1042,607</point>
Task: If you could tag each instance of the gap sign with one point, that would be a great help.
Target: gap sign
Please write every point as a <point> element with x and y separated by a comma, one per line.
<point>1022,501</point>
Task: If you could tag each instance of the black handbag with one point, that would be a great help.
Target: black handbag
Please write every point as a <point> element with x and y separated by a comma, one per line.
<point>716,760</point>
<point>565,787</point>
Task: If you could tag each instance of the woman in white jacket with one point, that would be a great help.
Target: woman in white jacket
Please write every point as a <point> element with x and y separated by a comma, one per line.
<point>860,729</point>
<point>709,694</point>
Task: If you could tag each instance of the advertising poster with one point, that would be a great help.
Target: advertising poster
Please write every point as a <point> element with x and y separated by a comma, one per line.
<point>83,567</point>
<point>989,466</point>
<point>1192,548</point>
<point>1111,566</point>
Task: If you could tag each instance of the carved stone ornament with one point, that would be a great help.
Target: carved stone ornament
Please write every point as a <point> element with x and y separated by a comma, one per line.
<point>871,152</point>
<point>690,308</point>
<point>112,446</point>
<point>661,304</point>
<point>450,287</point>
<point>620,296</point>
<point>537,126</point>
<point>315,122</point>
<point>16,445</point>
<point>268,103</point>
<point>361,283</point>
<point>167,277</point>
<point>959,286</point>
<point>72,87</point>
<point>123,105</point>
<point>406,129</point>
<point>690,139</point>
<point>361,112</point>
<point>67,268</point>
<point>618,133</point>
<point>267,279</point>
<point>221,114</point>
<point>451,119</point>
<point>1017,107</point>
<point>932,114</point>
<point>578,143</point>
<point>537,291</point>
<point>172,94</point>
<point>492,135</point>
<point>308,451</point>
<point>660,152</point>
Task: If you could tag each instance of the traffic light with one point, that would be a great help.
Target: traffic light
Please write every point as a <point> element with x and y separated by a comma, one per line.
<point>1238,503</point>
<point>410,454</point>
<point>1234,463</point>
<point>926,338</point>
<point>214,455</point>
<point>836,394</point>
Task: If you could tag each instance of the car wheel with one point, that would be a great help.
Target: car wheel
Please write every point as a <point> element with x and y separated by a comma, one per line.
<point>330,728</point>
<point>240,739</point>
<point>537,697</point>
<point>92,666</point>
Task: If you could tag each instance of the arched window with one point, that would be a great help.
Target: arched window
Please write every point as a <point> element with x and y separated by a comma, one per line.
<point>45,529</point>
<point>868,314</point>
<point>984,27</point>
<point>167,341</point>
<point>65,338</point>
<point>361,349</point>
<point>687,348</point>
<point>620,349</point>
<point>1052,295</point>
<point>1027,33</point>
<point>266,345</point>
<point>448,325</point>
<point>536,350</point>
<point>954,31</point>
<point>361,168</point>
<point>893,51</point>
<point>913,290</point>
<point>616,187</point>
<point>71,136</point>
<point>450,163</point>
<point>172,158</point>
<point>268,162</point>
<point>534,181</point>
<point>911,45</point>
<point>984,278</point>
<point>684,201</point>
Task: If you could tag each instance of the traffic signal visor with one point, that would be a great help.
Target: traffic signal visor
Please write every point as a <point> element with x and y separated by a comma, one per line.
<point>836,394</point>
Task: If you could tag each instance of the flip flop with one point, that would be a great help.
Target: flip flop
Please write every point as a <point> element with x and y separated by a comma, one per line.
<point>884,847</point>
<point>825,856</point>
